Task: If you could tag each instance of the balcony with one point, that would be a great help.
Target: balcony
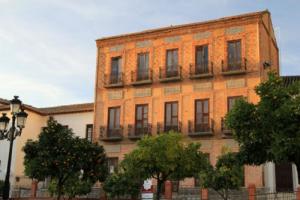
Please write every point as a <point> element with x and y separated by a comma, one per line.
<point>141,77</point>
<point>114,80</point>
<point>234,68</point>
<point>225,130</point>
<point>197,130</point>
<point>199,71</point>
<point>168,127</point>
<point>170,74</point>
<point>115,134</point>
<point>135,133</point>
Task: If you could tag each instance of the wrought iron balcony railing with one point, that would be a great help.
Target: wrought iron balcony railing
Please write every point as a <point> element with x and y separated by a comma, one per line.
<point>202,70</point>
<point>200,129</point>
<point>170,73</point>
<point>237,67</point>
<point>111,134</point>
<point>141,77</point>
<point>135,132</point>
<point>225,130</point>
<point>114,80</point>
<point>168,127</point>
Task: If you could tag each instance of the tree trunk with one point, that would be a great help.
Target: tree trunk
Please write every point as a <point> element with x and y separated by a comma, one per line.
<point>59,190</point>
<point>158,189</point>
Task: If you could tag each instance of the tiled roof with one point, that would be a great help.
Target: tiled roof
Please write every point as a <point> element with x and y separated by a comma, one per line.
<point>223,19</point>
<point>4,101</point>
<point>74,108</point>
<point>63,109</point>
<point>288,80</point>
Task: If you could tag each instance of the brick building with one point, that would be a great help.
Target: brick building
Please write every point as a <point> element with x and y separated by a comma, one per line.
<point>182,78</point>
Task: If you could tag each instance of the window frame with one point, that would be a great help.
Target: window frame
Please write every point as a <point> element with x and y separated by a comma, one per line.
<point>114,124</point>
<point>203,66</point>
<point>169,127</point>
<point>143,116</point>
<point>87,131</point>
<point>172,70</point>
<point>236,63</point>
<point>206,126</point>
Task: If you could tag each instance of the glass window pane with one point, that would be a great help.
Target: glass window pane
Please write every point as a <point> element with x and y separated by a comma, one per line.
<point>174,109</point>
<point>175,59</point>
<point>117,123</point>
<point>205,106</point>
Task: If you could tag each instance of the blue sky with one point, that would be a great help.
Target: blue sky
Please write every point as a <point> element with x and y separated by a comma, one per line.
<point>48,51</point>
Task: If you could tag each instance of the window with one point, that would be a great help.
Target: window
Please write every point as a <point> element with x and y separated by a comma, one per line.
<point>141,118</point>
<point>115,75</point>
<point>113,121</point>
<point>172,63</point>
<point>201,59</point>
<point>112,165</point>
<point>234,55</point>
<point>143,66</point>
<point>202,115</point>
<point>171,116</point>
<point>231,101</point>
<point>89,132</point>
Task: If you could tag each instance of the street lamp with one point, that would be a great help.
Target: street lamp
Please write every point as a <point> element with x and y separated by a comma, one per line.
<point>18,123</point>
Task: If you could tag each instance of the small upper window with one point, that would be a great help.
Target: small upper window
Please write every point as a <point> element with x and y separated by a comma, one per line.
<point>89,132</point>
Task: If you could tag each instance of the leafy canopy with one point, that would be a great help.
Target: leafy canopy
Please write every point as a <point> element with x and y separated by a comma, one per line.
<point>226,175</point>
<point>60,155</point>
<point>163,157</point>
<point>268,130</point>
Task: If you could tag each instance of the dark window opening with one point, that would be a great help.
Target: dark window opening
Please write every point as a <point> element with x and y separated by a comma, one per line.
<point>171,116</point>
<point>172,63</point>
<point>114,128</point>
<point>143,66</point>
<point>202,115</point>
<point>234,55</point>
<point>115,74</point>
<point>201,59</point>
<point>89,132</point>
<point>141,119</point>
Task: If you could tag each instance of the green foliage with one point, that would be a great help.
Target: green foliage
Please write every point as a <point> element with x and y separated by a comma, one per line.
<point>226,175</point>
<point>122,185</point>
<point>269,130</point>
<point>73,186</point>
<point>1,186</point>
<point>60,155</point>
<point>163,157</point>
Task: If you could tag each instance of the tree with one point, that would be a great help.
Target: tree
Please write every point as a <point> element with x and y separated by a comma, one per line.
<point>226,175</point>
<point>164,157</point>
<point>60,155</point>
<point>268,130</point>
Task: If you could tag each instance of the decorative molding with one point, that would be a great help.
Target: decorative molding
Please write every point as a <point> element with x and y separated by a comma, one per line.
<point>234,30</point>
<point>112,148</point>
<point>202,86</point>
<point>113,95</point>
<point>172,90</point>
<point>143,92</point>
<point>236,83</point>
<point>202,35</point>
<point>142,44</point>
<point>172,39</point>
<point>116,48</point>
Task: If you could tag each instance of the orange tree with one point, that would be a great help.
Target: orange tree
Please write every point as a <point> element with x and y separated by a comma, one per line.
<point>270,129</point>
<point>60,155</point>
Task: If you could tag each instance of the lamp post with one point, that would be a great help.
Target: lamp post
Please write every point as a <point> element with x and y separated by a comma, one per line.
<point>18,123</point>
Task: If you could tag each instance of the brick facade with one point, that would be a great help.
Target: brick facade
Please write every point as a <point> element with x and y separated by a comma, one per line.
<point>258,46</point>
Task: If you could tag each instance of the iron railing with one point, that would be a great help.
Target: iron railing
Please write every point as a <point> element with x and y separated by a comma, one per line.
<point>163,127</point>
<point>170,73</point>
<point>201,70</point>
<point>198,129</point>
<point>234,66</point>
<point>111,133</point>
<point>141,76</point>
<point>135,132</point>
<point>113,79</point>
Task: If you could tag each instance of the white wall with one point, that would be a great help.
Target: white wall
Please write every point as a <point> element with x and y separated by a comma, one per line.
<point>76,121</point>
